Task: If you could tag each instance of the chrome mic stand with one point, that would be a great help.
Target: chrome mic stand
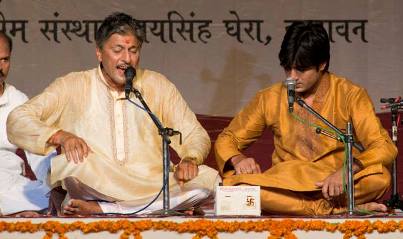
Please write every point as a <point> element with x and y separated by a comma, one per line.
<point>350,173</point>
<point>165,134</point>
<point>349,142</point>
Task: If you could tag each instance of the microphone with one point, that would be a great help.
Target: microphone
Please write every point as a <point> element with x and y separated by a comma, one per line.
<point>388,100</point>
<point>392,102</point>
<point>130,73</point>
<point>391,105</point>
<point>290,83</point>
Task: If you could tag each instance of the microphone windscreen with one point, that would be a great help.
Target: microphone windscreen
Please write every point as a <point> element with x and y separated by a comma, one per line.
<point>290,82</point>
<point>130,73</point>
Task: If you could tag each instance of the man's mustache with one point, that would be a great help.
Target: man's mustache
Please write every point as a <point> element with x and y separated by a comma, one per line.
<point>1,73</point>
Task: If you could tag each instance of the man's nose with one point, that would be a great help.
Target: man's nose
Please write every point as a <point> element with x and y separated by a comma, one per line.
<point>126,57</point>
<point>294,74</point>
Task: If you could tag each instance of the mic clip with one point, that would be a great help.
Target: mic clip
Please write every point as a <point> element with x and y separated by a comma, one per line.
<point>171,132</point>
<point>328,134</point>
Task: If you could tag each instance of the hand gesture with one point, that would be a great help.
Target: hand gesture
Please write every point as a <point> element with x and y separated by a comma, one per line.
<point>185,171</point>
<point>74,147</point>
<point>332,186</point>
<point>245,165</point>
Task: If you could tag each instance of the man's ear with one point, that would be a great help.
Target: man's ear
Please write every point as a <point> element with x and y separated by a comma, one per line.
<point>98,53</point>
<point>322,66</point>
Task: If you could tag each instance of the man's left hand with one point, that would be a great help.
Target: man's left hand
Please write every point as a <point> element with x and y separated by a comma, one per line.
<point>185,171</point>
<point>332,186</point>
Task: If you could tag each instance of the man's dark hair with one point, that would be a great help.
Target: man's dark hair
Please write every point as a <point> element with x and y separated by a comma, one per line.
<point>8,40</point>
<point>119,23</point>
<point>305,45</point>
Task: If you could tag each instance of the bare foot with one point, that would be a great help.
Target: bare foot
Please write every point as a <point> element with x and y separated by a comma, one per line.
<point>26,214</point>
<point>81,207</point>
<point>193,211</point>
<point>372,206</point>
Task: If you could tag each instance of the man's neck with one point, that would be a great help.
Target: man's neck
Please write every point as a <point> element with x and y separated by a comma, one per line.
<point>309,94</point>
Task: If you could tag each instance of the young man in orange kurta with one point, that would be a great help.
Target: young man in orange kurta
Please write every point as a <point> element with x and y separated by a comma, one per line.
<point>307,173</point>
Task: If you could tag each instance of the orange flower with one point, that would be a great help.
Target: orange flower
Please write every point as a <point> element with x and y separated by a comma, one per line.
<point>206,228</point>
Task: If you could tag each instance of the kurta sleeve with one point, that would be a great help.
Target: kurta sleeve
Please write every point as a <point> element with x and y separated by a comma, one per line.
<point>30,125</point>
<point>243,130</point>
<point>177,115</point>
<point>379,148</point>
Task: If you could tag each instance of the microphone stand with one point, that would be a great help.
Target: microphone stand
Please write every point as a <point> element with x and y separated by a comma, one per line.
<point>349,142</point>
<point>165,134</point>
<point>394,201</point>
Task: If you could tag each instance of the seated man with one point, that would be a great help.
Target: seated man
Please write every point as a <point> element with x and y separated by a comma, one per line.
<point>19,195</point>
<point>306,177</point>
<point>111,159</point>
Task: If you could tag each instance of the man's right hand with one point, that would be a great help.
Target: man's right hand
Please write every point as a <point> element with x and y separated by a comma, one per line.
<point>74,147</point>
<point>244,165</point>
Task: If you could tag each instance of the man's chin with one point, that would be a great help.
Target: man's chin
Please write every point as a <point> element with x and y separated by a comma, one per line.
<point>119,78</point>
<point>120,82</point>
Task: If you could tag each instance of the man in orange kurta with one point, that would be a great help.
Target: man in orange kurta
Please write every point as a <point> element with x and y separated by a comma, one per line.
<point>307,173</point>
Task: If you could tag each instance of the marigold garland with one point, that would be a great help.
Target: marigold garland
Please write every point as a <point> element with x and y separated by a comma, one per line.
<point>205,228</point>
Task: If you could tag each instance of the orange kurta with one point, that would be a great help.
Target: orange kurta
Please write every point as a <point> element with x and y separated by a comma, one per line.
<point>301,157</point>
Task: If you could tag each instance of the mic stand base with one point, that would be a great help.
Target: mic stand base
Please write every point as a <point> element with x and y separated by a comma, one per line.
<point>166,213</point>
<point>394,202</point>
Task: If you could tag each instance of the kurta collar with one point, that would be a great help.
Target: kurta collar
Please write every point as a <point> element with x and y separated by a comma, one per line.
<point>4,97</point>
<point>323,88</point>
<point>115,94</point>
<point>139,74</point>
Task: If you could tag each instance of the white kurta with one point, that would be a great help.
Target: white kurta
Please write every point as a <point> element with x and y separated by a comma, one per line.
<point>18,193</point>
<point>126,158</point>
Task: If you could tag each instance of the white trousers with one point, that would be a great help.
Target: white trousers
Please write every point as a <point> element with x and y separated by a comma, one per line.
<point>18,193</point>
